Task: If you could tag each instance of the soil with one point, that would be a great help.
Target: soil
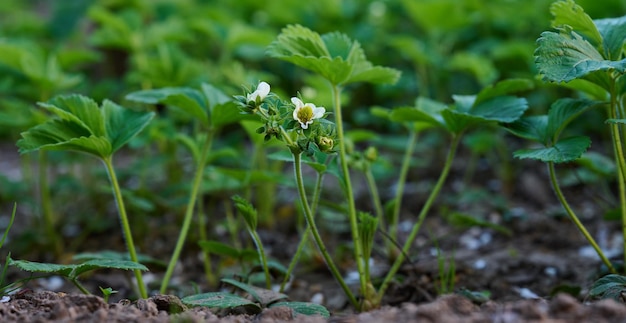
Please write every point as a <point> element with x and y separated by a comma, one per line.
<point>538,269</point>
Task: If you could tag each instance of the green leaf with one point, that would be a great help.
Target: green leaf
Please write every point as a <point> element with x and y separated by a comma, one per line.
<point>221,300</point>
<point>568,13</point>
<point>504,87</point>
<point>79,109</point>
<point>425,110</point>
<point>39,267</point>
<point>610,286</point>
<point>304,308</point>
<point>123,124</point>
<point>565,150</point>
<point>334,56</point>
<point>613,32</point>
<point>261,295</point>
<point>188,100</point>
<point>562,57</point>
<point>59,134</point>
<point>532,128</point>
<point>224,250</point>
<point>106,263</point>
<point>563,111</point>
<point>468,113</point>
<point>248,212</point>
<point>115,255</point>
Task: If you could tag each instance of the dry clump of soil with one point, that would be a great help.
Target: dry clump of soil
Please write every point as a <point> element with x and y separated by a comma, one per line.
<point>45,306</point>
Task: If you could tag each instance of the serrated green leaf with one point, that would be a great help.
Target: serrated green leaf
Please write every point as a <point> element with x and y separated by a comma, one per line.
<point>189,100</point>
<point>304,308</point>
<point>568,13</point>
<point>593,90</point>
<point>220,300</point>
<point>532,128</point>
<point>334,56</point>
<point>221,249</point>
<point>115,255</point>
<point>106,263</point>
<point>613,32</point>
<point>261,295</point>
<point>610,286</point>
<point>565,150</point>
<point>562,57</point>
<point>425,110</point>
<point>504,87</point>
<point>39,267</point>
<point>79,109</point>
<point>59,134</point>
<point>123,124</point>
<point>563,111</point>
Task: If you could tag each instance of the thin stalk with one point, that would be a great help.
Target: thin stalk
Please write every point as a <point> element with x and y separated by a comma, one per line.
<point>356,240</point>
<point>46,204</point>
<point>622,199</point>
<point>318,239</point>
<point>80,286</point>
<point>128,237</point>
<point>416,227</point>
<point>195,189</point>
<point>263,258</point>
<point>574,218</point>
<point>404,170</point>
<point>378,206</point>
<point>305,234</point>
<point>202,234</point>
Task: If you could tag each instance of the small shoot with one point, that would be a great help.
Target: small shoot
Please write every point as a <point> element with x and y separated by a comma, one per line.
<point>107,292</point>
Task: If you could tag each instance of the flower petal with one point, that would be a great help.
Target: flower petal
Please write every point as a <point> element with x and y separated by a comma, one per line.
<point>318,112</point>
<point>263,89</point>
<point>297,102</point>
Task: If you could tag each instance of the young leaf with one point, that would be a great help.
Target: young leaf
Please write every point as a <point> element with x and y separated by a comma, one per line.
<point>613,31</point>
<point>123,124</point>
<point>563,111</point>
<point>186,99</point>
<point>222,301</point>
<point>334,56</point>
<point>564,56</point>
<point>221,249</point>
<point>263,296</point>
<point>568,13</point>
<point>565,150</point>
<point>304,308</point>
<point>38,267</point>
<point>106,263</point>
<point>610,286</point>
<point>504,87</point>
<point>532,128</point>
<point>248,212</point>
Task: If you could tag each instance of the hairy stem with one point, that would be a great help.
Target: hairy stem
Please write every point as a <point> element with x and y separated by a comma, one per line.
<point>193,195</point>
<point>420,219</point>
<point>574,218</point>
<point>356,240</point>
<point>404,170</point>
<point>128,237</point>
<point>318,239</point>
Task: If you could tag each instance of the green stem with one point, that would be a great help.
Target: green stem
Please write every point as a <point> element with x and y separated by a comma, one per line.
<point>46,204</point>
<point>305,234</point>
<point>206,255</point>
<point>404,170</point>
<point>416,227</point>
<point>263,258</point>
<point>80,286</point>
<point>356,240</point>
<point>619,155</point>
<point>195,189</point>
<point>128,237</point>
<point>318,239</point>
<point>622,199</point>
<point>574,218</point>
<point>371,182</point>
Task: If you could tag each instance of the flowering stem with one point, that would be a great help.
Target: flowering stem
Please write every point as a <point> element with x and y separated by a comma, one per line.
<point>574,218</point>
<point>308,215</point>
<point>420,219</point>
<point>358,252</point>
<point>128,237</point>
<point>371,182</point>
<point>305,234</point>
<point>195,188</point>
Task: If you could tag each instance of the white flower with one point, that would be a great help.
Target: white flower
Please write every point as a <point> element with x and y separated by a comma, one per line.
<point>262,90</point>
<point>306,113</point>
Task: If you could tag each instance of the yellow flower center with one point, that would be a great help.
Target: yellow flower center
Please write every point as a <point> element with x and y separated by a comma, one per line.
<point>305,114</point>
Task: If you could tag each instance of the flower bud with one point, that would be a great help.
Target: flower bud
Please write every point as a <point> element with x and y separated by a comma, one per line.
<point>325,143</point>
